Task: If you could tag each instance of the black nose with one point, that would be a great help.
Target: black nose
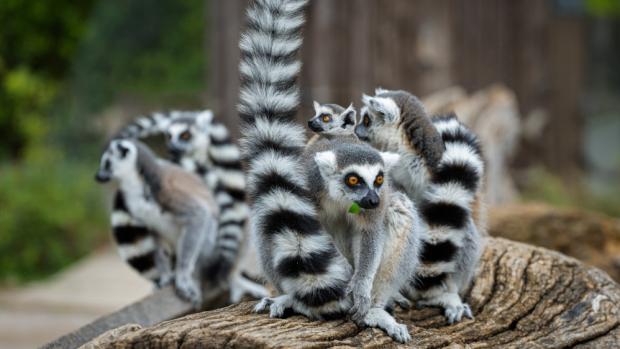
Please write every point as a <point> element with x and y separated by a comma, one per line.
<point>370,201</point>
<point>314,126</point>
<point>101,178</point>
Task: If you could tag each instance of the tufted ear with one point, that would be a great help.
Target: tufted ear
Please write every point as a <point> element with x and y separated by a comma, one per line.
<point>317,107</point>
<point>348,116</point>
<point>326,160</point>
<point>380,90</point>
<point>389,159</point>
<point>204,119</point>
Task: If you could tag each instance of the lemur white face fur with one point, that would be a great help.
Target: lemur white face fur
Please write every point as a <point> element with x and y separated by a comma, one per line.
<point>186,134</point>
<point>117,161</point>
<point>360,183</point>
<point>332,119</point>
<point>378,117</point>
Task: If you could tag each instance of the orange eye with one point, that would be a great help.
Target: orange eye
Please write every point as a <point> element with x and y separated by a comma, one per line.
<point>352,180</point>
<point>379,180</point>
<point>186,136</point>
<point>326,118</point>
<point>366,121</point>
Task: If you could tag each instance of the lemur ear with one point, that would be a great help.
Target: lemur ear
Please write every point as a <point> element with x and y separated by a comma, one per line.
<point>204,118</point>
<point>380,90</point>
<point>389,159</point>
<point>366,99</point>
<point>122,149</point>
<point>348,116</point>
<point>317,106</point>
<point>326,160</point>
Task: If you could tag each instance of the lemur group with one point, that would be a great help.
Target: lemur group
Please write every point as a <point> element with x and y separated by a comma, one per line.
<point>380,209</point>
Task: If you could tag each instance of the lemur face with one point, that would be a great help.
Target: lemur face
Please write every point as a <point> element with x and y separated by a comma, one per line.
<point>352,181</point>
<point>188,134</point>
<point>378,117</point>
<point>118,160</point>
<point>332,119</point>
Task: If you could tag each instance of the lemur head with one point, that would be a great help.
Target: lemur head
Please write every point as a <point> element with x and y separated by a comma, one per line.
<point>382,114</point>
<point>355,173</point>
<point>118,160</point>
<point>187,133</point>
<point>332,119</point>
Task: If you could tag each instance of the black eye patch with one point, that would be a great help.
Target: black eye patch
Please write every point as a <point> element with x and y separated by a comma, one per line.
<point>107,165</point>
<point>122,150</point>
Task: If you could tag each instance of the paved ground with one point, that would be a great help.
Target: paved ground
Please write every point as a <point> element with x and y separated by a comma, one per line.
<point>38,313</point>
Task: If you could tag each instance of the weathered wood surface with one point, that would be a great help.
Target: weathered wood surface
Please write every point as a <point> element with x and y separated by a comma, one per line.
<point>523,296</point>
<point>590,237</point>
<point>161,305</point>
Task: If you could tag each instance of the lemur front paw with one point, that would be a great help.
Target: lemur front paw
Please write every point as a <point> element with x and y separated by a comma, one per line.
<point>361,306</point>
<point>188,289</point>
<point>402,302</point>
<point>455,313</point>
<point>277,306</point>
<point>165,280</point>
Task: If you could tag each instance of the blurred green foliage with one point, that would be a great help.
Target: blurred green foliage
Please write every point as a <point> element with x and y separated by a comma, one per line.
<point>50,217</point>
<point>603,8</point>
<point>543,186</point>
<point>62,63</point>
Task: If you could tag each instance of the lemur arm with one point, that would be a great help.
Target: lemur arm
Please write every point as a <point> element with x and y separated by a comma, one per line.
<point>367,262</point>
<point>163,264</point>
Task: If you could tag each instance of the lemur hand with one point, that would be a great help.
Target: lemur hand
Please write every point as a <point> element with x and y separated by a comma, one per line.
<point>361,303</point>
<point>188,289</point>
<point>165,280</point>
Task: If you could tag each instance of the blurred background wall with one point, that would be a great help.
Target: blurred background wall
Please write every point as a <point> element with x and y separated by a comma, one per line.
<point>538,79</point>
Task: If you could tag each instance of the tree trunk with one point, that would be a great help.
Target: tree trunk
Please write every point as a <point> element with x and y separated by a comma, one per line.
<point>522,296</point>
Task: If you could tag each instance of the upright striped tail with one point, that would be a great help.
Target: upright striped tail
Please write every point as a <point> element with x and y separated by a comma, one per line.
<point>297,255</point>
<point>450,203</point>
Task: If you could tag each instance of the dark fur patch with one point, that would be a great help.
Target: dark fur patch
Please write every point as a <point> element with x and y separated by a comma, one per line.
<point>238,195</point>
<point>441,252</point>
<point>320,296</point>
<point>239,222</point>
<point>143,263</point>
<point>337,315</point>
<point>266,182</point>
<point>444,214</point>
<point>229,165</point>
<point>464,136</point>
<point>460,173</point>
<point>428,282</point>
<point>314,263</point>
<point>278,220</point>
<point>119,202</point>
<point>129,234</point>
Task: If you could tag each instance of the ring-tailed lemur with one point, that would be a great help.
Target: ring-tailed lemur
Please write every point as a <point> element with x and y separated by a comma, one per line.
<point>201,145</point>
<point>331,120</point>
<point>301,196</point>
<point>441,170</point>
<point>174,203</point>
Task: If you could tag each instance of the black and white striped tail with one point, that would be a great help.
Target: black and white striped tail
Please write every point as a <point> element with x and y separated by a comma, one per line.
<point>447,205</point>
<point>146,126</point>
<point>136,244</point>
<point>297,255</point>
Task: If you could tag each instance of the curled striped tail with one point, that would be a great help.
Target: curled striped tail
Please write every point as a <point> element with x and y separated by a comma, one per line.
<point>297,255</point>
<point>136,243</point>
<point>146,126</point>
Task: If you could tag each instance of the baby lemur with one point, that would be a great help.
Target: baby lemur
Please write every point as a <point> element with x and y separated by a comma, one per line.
<point>317,209</point>
<point>174,204</point>
<point>331,120</point>
<point>441,169</point>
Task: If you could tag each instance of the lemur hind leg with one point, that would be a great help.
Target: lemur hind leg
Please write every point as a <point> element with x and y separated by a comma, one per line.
<point>278,306</point>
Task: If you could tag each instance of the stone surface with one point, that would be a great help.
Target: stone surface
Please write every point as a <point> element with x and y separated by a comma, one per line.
<point>590,237</point>
<point>523,296</point>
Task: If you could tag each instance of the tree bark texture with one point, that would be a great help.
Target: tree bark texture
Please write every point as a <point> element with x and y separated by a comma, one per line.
<point>523,296</point>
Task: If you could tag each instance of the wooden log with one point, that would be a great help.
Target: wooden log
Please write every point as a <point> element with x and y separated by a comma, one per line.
<point>587,236</point>
<point>523,296</point>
